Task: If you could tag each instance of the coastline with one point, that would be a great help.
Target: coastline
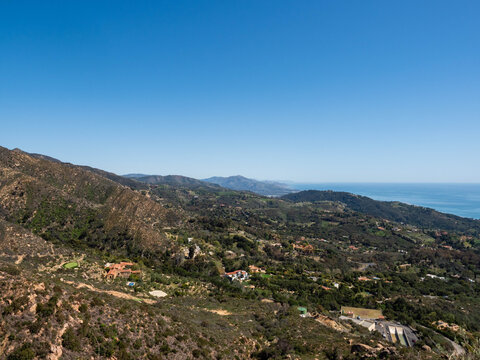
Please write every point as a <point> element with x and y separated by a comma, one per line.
<point>462,199</point>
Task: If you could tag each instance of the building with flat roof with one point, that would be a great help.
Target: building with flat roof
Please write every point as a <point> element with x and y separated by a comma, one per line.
<point>396,333</point>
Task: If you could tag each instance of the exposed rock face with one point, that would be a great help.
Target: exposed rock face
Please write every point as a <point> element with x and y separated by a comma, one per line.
<point>330,323</point>
<point>53,198</point>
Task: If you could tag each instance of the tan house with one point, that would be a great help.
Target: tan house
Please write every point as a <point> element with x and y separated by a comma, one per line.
<point>255,269</point>
<point>442,325</point>
<point>304,248</point>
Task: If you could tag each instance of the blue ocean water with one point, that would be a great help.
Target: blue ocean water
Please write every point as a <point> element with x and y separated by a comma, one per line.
<point>459,199</point>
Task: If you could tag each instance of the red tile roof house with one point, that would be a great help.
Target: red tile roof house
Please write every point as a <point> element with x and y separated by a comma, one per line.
<point>239,275</point>
<point>122,269</point>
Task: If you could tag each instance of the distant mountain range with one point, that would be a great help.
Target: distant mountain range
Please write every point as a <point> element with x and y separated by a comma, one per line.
<point>239,183</point>
<point>173,180</point>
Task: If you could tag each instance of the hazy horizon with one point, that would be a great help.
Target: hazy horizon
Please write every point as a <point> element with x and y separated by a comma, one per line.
<point>283,181</point>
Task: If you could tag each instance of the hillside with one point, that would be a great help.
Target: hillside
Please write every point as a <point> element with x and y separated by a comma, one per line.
<point>394,211</point>
<point>172,180</point>
<point>242,183</point>
<point>77,205</point>
<point>309,255</point>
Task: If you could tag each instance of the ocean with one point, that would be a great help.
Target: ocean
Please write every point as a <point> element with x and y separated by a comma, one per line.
<point>458,199</point>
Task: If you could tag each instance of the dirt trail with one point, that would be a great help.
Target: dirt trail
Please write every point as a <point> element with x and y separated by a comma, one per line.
<point>220,312</point>
<point>56,346</point>
<point>117,294</point>
<point>20,259</point>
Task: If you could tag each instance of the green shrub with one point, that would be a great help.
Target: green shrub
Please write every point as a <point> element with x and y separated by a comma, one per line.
<point>137,344</point>
<point>196,353</point>
<point>165,349</point>
<point>83,308</point>
<point>34,327</point>
<point>47,309</point>
<point>24,352</point>
<point>10,269</point>
<point>70,340</point>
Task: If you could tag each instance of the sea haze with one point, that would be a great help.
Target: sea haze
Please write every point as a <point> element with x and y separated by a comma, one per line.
<point>459,199</point>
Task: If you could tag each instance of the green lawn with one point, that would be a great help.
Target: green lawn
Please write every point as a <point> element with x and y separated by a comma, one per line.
<point>70,265</point>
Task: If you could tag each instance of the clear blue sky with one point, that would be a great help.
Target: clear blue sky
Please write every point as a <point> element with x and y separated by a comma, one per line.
<point>310,91</point>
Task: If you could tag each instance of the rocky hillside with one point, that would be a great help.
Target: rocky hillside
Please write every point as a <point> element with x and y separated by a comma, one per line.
<point>71,204</point>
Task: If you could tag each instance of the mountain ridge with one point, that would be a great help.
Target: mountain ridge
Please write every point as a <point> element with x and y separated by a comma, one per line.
<point>172,180</point>
<point>242,183</point>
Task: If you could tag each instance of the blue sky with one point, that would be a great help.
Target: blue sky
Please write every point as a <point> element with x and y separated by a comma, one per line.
<point>312,91</point>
